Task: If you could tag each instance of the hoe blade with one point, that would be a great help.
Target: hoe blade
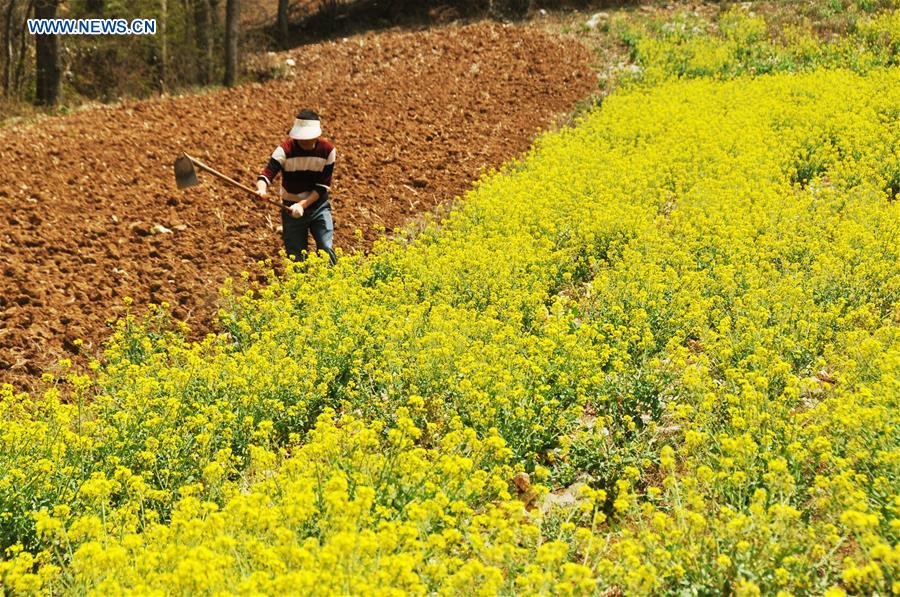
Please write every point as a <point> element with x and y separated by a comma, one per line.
<point>185,175</point>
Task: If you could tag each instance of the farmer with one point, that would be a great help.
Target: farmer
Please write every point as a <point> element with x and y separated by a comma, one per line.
<point>306,161</point>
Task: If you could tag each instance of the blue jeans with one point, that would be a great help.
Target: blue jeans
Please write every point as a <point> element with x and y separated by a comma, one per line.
<point>317,220</point>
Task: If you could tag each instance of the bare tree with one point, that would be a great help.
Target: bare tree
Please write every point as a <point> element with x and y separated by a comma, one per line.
<point>203,26</point>
<point>232,30</point>
<point>19,78</point>
<point>8,46</point>
<point>215,26</point>
<point>47,57</point>
<point>283,6</point>
<point>163,46</point>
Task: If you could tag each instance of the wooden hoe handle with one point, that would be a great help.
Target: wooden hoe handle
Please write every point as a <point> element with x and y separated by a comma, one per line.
<point>232,182</point>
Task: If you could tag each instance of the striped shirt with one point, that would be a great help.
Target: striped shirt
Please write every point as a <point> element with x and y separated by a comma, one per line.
<point>302,170</point>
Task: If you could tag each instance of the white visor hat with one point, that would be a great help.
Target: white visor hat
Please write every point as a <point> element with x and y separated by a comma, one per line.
<point>305,130</point>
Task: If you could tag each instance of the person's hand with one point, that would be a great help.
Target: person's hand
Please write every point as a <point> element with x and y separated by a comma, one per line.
<point>296,210</point>
<point>261,188</point>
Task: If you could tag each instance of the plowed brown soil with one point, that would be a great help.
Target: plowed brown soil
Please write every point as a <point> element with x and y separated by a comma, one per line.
<point>415,116</point>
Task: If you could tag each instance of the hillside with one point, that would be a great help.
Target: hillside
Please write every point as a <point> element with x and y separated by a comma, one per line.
<point>82,193</point>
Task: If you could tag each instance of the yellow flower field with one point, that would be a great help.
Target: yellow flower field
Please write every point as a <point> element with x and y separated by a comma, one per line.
<point>658,354</point>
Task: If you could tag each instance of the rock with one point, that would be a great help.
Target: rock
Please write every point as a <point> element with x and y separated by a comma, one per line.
<point>596,19</point>
<point>825,377</point>
<point>522,481</point>
<point>160,229</point>
<point>563,498</point>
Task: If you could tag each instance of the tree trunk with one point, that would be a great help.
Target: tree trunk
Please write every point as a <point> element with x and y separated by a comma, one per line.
<point>232,16</point>
<point>163,45</point>
<point>212,27</point>
<point>8,47</point>
<point>19,78</point>
<point>46,54</point>
<point>203,32</point>
<point>283,23</point>
<point>95,7</point>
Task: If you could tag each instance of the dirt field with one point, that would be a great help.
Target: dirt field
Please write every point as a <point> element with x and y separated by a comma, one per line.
<point>415,116</point>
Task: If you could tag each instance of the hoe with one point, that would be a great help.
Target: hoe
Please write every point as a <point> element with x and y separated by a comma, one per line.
<point>186,176</point>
